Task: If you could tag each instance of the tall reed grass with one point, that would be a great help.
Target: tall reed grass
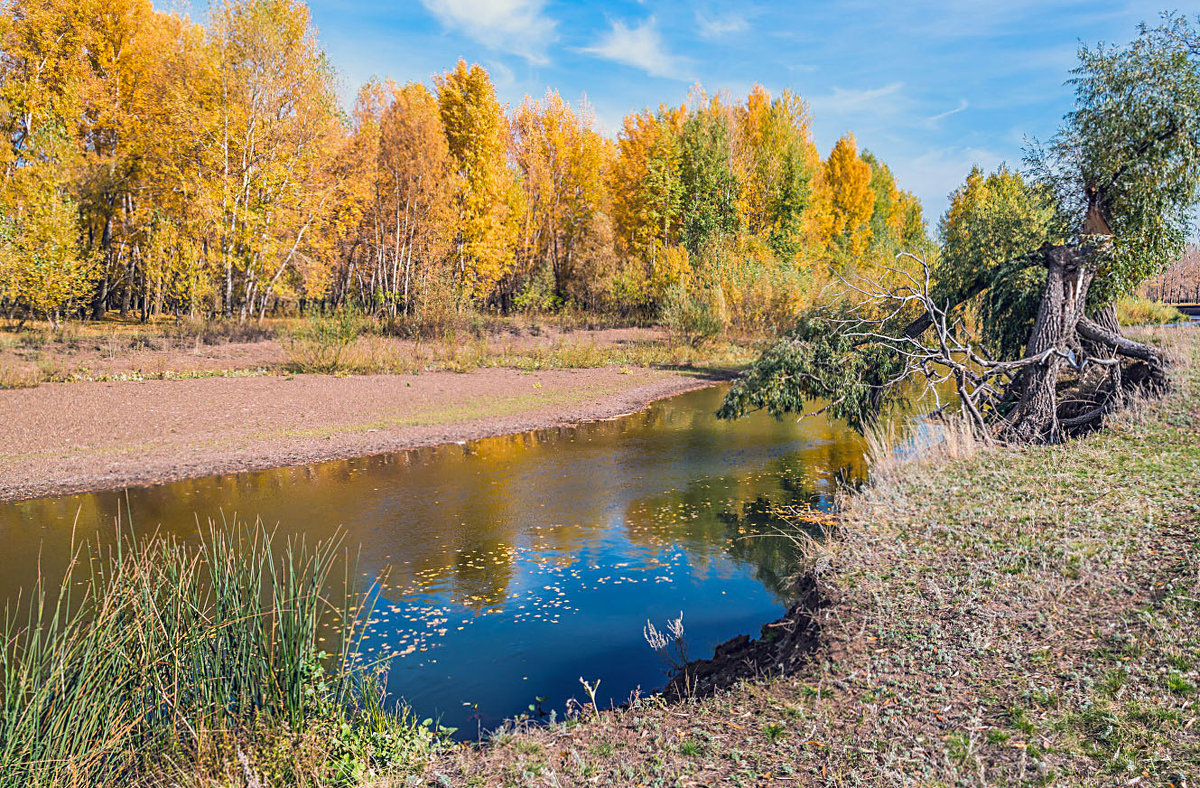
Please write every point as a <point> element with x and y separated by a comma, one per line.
<point>157,661</point>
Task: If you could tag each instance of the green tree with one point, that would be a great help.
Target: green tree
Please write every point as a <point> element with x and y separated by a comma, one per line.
<point>709,187</point>
<point>1110,204</point>
<point>986,234</point>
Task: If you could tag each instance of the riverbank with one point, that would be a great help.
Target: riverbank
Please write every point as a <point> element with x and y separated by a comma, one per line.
<point>1020,616</point>
<point>62,438</point>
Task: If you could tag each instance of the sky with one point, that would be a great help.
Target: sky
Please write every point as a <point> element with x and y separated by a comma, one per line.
<point>931,88</point>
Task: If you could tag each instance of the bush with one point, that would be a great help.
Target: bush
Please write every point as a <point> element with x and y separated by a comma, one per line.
<point>694,318</point>
<point>1138,311</point>
<point>216,331</point>
<point>318,343</point>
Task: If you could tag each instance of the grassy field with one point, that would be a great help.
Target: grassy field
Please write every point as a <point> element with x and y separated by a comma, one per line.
<point>342,344</point>
<point>1016,617</point>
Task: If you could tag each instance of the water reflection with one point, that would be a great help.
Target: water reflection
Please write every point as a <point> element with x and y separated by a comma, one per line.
<point>512,566</point>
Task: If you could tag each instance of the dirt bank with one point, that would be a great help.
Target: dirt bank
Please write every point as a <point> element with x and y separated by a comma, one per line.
<point>72,437</point>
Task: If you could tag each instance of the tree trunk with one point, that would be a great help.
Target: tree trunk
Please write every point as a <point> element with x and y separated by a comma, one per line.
<point>1064,297</point>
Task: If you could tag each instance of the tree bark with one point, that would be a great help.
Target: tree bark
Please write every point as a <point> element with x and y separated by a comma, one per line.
<point>1064,298</point>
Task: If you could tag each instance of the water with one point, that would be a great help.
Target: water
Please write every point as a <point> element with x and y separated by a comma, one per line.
<point>514,566</point>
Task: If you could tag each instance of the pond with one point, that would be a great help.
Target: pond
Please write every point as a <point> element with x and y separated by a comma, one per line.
<point>514,566</point>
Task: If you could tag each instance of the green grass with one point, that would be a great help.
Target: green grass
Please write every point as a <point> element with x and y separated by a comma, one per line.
<point>160,660</point>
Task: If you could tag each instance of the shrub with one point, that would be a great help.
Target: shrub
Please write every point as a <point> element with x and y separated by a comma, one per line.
<point>694,318</point>
<point>1138,311</point>
<point>215,331</point>
<point>318,343</point>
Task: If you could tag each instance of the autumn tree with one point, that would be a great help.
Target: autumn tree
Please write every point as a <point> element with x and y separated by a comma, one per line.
<point>647,195</point>
<point>44,74</point>
<point>896,220</point>
<point>153,164</point>
<point>778,163</point>
<point>849,202</point>
<point>274,117</point>
<point>564,164</point>
<point>489,197</point>
<point>1180,283</point>
<point>418,180</point>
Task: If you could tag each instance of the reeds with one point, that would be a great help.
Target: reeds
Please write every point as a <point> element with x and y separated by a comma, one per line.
<point>155,657</point>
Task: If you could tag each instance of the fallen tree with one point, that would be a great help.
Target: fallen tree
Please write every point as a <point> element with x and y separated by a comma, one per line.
<point>1034,263</point>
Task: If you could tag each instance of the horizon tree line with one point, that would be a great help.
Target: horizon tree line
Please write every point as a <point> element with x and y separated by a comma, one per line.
<point>155,166</point>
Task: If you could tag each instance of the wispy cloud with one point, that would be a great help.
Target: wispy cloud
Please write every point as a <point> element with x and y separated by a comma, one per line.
<point>886,100</point>
<point>719,26</point>
<point>962,104</point>
<point>640,46</point>
<point>519,27</point>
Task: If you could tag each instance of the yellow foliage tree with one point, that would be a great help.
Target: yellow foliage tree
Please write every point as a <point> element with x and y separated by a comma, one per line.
<point>647,192</point>
<point>563,163</point>
<point>41,265</point>
<point>272,129</point>
<point>489,196</point>
<point>850,202</point>
<point>418,182</point>
<point>777,163</point>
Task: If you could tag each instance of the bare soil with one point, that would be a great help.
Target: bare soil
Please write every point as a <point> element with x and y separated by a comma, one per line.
<point>63,438</point>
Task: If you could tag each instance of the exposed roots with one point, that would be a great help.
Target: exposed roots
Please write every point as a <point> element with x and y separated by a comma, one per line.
<point>781,648</point>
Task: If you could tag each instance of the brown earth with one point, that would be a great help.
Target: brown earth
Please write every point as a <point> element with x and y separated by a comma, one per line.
<point>61,438</point>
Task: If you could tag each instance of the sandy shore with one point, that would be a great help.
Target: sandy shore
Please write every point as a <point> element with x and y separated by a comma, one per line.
<point>75,437</point>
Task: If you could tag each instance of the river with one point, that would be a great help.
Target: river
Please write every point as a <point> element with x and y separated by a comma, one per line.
<point>511,567</point>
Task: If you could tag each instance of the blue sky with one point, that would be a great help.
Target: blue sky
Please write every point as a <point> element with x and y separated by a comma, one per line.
<point>932,88</point>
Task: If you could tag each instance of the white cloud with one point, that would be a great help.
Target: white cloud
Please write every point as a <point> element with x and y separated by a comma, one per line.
<point>642,47</point>
<point>716,27</point>
<point>886,100</point>
<point>962,104</point>
<point>519,27</point>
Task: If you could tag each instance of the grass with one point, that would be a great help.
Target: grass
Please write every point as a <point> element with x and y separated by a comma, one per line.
<point>197,664</point>
<point>996,617</point>
<point>1138,311</point>
<point>370,355</point>
<point>343,343</point>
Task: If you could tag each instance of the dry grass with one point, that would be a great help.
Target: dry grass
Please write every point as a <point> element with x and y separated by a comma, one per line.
<point>15,378</point>
<point>1010,617</point>
<point>371,354</point>
<point>925,442</point>
<point>1138,311</point>
<point>341,344</point>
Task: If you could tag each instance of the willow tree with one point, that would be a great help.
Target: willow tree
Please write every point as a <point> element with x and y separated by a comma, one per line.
<point>1108,204</point>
